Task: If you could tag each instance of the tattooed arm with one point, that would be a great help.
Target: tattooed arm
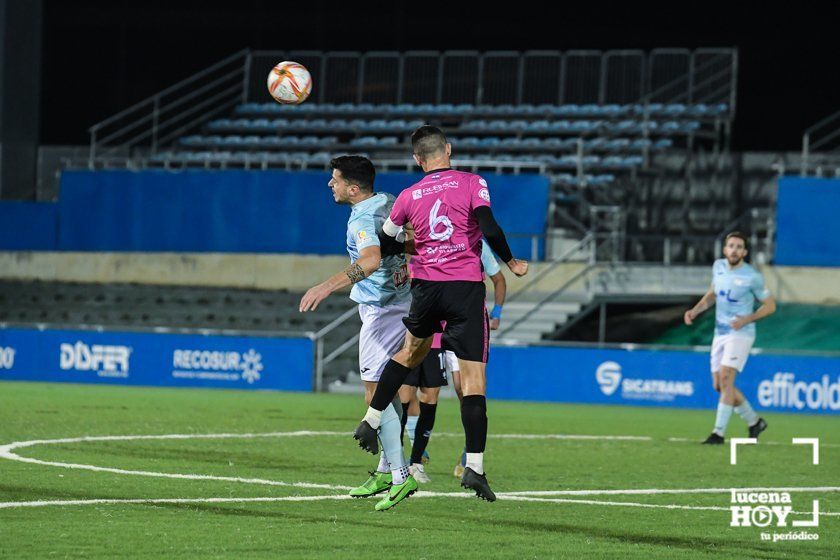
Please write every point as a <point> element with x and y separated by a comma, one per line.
<point>368,262</point>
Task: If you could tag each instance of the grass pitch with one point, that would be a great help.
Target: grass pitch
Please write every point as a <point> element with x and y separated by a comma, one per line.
<point>232,497</point>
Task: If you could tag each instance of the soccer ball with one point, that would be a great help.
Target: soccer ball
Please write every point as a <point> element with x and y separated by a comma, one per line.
<point>289,83</point>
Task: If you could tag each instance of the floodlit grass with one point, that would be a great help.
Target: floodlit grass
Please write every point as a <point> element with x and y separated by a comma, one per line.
<point>430,526</point>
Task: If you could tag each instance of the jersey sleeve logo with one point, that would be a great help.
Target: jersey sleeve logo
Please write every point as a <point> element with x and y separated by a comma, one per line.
<point>415,194</point>
<point>484,193</point>
<point>362,235</point>
<point>482,182</point>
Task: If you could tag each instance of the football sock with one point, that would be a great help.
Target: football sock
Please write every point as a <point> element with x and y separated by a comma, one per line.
<point>745,411</point>
<point>724,413</point>
<point>373,417</point>
<point>411,426</point>
<point>475,461</point>
<point>384,466</point>
<point>423,431</point>
<point>389,383</point>
<point>474,419</point>
<point>389,436</point>
<point>399,475</point>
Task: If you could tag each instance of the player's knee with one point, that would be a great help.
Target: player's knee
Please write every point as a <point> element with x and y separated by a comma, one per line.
<point>429,396</point>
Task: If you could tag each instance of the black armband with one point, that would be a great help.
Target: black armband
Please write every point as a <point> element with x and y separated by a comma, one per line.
<point>493,233</point>
<point>389,246</point>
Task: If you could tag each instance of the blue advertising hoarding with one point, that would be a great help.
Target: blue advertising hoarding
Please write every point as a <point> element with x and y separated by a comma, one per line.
<point>156,359</point>
<point>671,378</point>
<point>548,373</point>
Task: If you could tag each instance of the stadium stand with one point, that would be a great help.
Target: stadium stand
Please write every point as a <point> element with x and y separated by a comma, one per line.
<point>177,307</point>
<point>646,131</point>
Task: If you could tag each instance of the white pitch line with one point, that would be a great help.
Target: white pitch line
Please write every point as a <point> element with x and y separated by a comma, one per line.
<point>761,442</point>
<point>658,491</point>
<point>641,505</point>
<point>6,452</point>
<point>424,494</point>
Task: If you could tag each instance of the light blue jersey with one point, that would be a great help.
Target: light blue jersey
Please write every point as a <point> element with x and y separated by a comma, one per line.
<point>488,260</point>
<point>388,285</point>
<point>736,291</point>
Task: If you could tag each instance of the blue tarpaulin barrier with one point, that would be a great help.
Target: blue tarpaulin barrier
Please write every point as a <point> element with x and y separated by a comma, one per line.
<point>807,228</point>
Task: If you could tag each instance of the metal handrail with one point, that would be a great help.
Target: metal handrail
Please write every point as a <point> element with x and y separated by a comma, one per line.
<point>318,339</point>
<point>537,305</point>
<point>564,258</point>
<point>809,146</point>
<point>168,90</point>
<point>153,106</point>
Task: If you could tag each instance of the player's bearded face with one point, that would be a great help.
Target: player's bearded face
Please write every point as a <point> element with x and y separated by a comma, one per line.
<point>734,251</point>
<point>340,188</point>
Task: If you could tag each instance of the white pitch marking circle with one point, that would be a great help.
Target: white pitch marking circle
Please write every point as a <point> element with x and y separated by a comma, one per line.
<point>7,452</point>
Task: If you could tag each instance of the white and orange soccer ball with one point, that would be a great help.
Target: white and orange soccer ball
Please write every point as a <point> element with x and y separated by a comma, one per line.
<point>289,83</point>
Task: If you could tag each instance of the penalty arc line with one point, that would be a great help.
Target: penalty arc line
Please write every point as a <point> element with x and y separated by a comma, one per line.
<point>6,452</point>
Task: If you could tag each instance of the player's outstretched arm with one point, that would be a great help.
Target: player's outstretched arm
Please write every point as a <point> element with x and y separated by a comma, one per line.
<point>498,242</point>
<point>705,303</point>
<point>367,263</point>
<point>499,293</point>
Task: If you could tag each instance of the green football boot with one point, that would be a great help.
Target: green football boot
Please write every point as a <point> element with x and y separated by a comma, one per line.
<point>398,493</point>
<point>376,483</point>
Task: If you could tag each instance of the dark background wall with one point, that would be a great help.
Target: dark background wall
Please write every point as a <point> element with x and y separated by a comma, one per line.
<point>20,57</point>
<point>102,55</point>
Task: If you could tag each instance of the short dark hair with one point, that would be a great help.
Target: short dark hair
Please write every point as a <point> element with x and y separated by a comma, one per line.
<point>356,170</point>
<point>427,141</point>
<point>738,235</point>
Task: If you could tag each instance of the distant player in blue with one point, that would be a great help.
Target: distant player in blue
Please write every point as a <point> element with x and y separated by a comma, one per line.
<point>736,286</point>
<point>381,288</point>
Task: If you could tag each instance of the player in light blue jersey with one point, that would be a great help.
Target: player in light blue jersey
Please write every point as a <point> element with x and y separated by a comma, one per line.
<point>381,288</point>
<point>736,286</point>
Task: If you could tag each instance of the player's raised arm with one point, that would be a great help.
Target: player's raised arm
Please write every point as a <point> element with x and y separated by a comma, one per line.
<point>705,303</point>
<point>364,266</point>
<point>495,237</point>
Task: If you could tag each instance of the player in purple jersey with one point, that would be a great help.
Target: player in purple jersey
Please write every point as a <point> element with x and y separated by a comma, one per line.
<point>449,211</point>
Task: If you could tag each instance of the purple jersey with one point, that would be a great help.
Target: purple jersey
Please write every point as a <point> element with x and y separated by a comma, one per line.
<point>446,233</point>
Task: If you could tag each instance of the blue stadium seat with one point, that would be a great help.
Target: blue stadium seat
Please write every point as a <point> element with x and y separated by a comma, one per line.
<point>617,144</point>
<point>568,110</point>
<point>537,126</point>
